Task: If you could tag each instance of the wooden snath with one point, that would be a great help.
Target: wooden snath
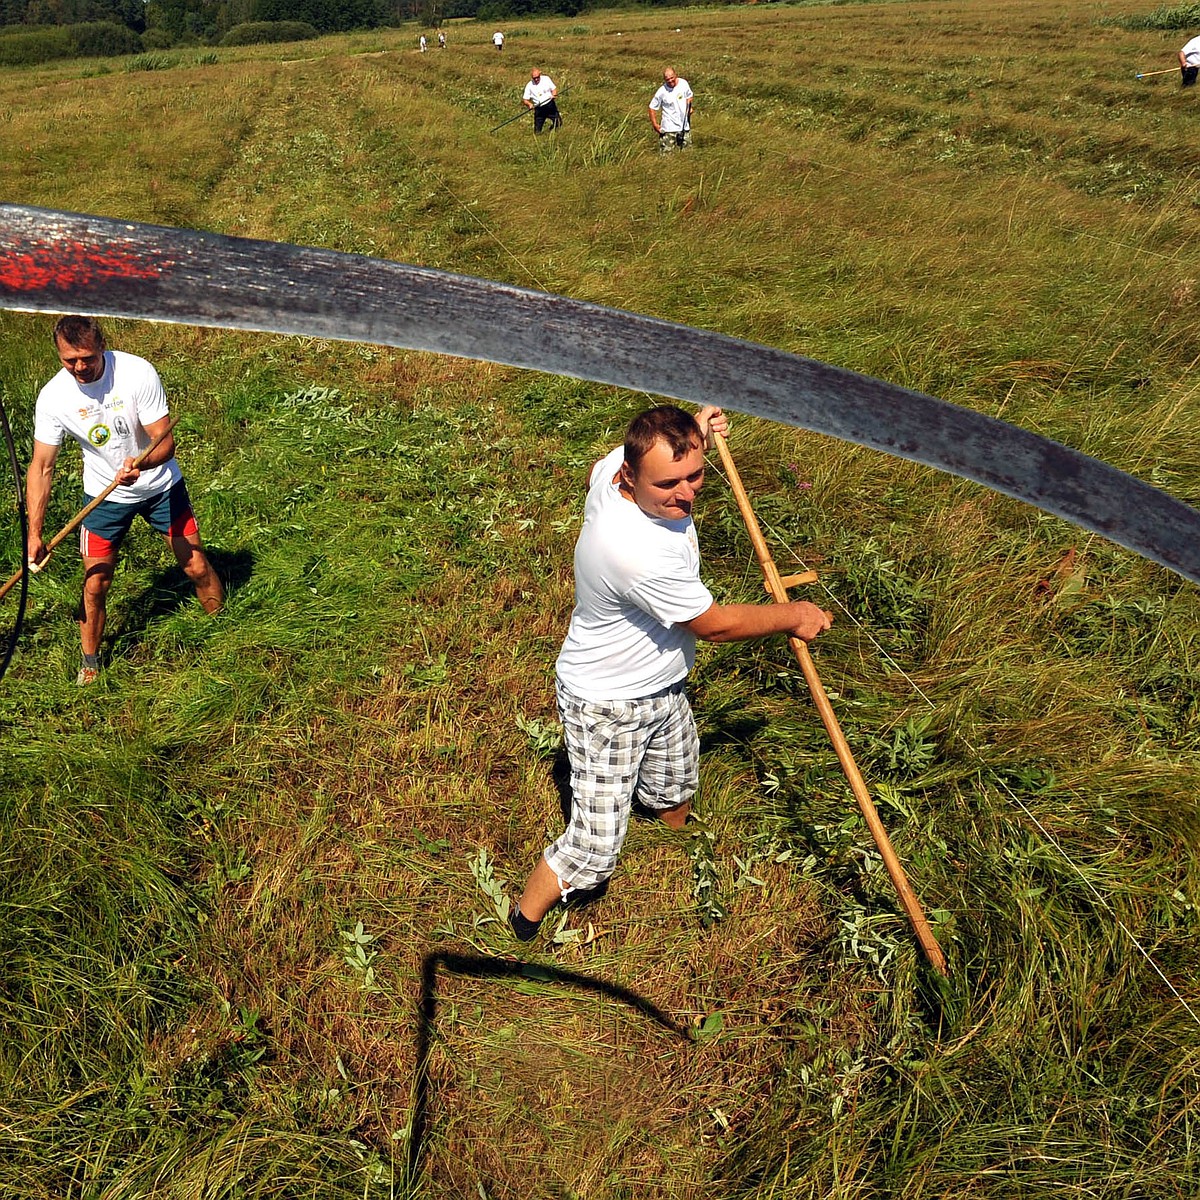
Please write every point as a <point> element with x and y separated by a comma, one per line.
<point>777,587</point>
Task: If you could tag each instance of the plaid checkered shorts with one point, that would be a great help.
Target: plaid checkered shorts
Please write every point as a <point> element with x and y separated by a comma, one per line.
<point>620,750</point>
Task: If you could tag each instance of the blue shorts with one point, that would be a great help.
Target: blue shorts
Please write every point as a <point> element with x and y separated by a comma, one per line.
<point>104,528</point>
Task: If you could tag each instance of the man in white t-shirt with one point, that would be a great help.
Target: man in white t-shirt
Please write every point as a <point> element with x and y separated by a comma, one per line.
<point>639,607</point>
<point>114,406</point>
<point>671,112</point>
<point>498,40</point>
<point>1189,62</point>
<point>539,96</point>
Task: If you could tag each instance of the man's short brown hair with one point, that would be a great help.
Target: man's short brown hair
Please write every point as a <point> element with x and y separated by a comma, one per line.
<point>667,423</point>
<point>79,331</point>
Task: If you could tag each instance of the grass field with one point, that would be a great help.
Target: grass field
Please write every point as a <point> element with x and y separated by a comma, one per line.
<point>249,883</point>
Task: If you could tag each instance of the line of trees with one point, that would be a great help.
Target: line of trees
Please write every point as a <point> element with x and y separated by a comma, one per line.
<point>208,20</point>
<point>130,13</point>
<point>169,22</point>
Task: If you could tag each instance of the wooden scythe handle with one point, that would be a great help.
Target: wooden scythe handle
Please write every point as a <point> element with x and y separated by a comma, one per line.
<point>78,519</point>
<point>774,585</point>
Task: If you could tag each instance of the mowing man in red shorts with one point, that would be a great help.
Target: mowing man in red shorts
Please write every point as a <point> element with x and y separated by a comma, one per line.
<point>114,406</point>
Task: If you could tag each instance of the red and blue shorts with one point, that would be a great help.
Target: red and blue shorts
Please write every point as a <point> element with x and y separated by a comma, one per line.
<point>104,528</point>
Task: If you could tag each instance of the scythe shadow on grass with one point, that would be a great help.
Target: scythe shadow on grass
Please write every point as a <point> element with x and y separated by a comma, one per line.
<point>479,966</point>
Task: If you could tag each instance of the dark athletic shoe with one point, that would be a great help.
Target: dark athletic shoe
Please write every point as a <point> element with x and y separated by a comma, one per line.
<point>524,930</point>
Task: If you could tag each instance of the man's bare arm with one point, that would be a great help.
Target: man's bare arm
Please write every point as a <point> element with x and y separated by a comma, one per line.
<point>162,453</point>
<point>38,480</point>
<point>738,622</point>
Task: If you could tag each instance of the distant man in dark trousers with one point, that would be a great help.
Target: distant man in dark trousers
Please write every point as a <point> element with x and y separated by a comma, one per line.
<point>639,608</point>
<point>671,112</point>
<point>1189,62</point>
<point>114,406</point>
<point>540,94</point>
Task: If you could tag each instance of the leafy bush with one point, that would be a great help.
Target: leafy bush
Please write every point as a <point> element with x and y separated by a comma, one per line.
<point>28,27</point>
<point>157,39</point>
<point>253,33</point>
<point>42,45</point>
<point>103,39</point>
<point>92,40</point>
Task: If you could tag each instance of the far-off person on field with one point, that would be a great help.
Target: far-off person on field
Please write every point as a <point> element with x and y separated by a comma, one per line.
<point>441,40</point>
<point>1189,62</point>
<point>423,43</point>
<point>539,96</point>
<point>639,608</point>
<point>671,112</point>
<point>114,406</point>
<point>498,40</point>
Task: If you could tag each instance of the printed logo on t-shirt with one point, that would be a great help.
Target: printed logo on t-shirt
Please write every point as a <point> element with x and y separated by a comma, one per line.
<point>83,412</point>
<point>99,434</point>
<point>121,428</point>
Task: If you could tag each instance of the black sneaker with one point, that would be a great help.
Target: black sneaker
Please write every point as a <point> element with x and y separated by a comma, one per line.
<point>524,930</point>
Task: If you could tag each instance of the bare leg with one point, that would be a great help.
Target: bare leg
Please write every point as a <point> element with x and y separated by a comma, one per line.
<point>541,892</point>
<point>676,818</point>
<point>189,554</point>
<point>97,579</point>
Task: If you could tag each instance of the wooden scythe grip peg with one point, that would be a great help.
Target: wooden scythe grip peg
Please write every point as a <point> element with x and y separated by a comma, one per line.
<point>790,581</point>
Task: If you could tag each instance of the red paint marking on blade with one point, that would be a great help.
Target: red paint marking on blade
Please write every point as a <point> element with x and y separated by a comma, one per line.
<point>37,266</point>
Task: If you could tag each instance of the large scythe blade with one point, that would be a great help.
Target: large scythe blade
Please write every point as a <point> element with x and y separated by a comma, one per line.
<point>66,262</point>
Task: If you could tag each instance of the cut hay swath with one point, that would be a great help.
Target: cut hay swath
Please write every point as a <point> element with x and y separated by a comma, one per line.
<point>63,262</point>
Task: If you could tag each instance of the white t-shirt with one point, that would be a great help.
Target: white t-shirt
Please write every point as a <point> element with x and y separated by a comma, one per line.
<point>541,91</point>
<point>636,578</point>
<point>108,419</point>
<point>674,105</point>
<point>498,40</point>
<point>1191,52</point>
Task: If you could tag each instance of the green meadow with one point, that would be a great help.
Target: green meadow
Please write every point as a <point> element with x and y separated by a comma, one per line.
<point>252,882</point>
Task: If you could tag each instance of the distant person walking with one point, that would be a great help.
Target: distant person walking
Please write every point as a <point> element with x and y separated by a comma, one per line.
<point>423,43</point>
<point>1189,62</point>
<point>540,93</point>
<point>114,406</point>
<point>498,40</point>
<point>671,112</point>
<point>441,40</point>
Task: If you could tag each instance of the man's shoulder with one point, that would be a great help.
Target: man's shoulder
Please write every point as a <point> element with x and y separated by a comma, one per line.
<point>54,384</point>
<point>131,370</point>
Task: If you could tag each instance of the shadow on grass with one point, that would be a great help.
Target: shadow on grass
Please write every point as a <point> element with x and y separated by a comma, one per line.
<point>170,589</point>
<point>560,775</point>
<point>479,966</point>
